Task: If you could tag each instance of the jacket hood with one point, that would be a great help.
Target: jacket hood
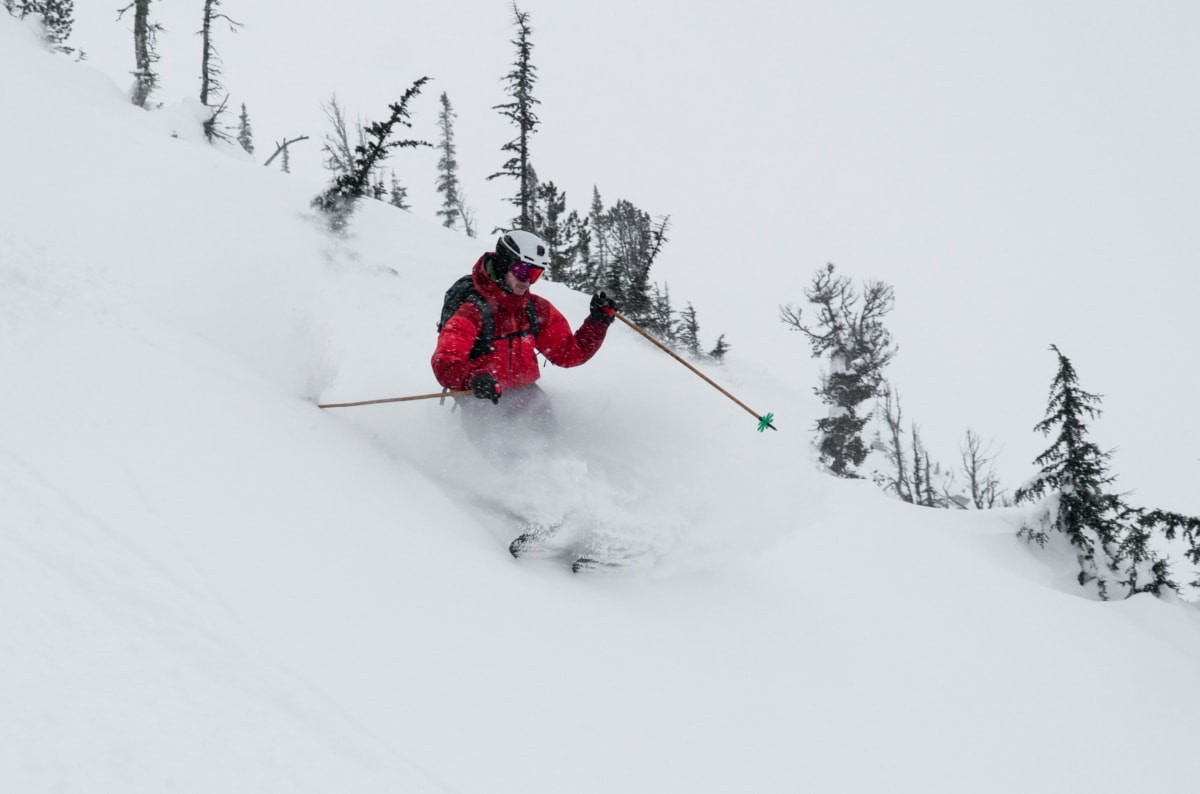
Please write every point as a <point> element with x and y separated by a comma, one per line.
<point>491,290</point>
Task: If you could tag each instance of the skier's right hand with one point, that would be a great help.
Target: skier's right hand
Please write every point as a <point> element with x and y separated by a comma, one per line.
<point>485,387</point>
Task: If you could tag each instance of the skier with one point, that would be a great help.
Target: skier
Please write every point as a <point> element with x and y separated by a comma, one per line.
<point>487,345</point>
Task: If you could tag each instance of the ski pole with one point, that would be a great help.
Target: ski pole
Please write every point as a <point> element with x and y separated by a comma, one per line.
<point>763,421</point>
<point>399,399</point>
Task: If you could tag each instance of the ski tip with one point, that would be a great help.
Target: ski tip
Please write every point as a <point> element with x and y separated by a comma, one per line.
<point>591,565</point>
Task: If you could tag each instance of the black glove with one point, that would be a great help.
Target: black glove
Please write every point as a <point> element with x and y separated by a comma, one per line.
<point>603,308</point>
<point>485,387</point>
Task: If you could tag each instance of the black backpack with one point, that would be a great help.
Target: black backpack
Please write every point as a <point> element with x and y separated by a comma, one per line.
<point>464,290</point>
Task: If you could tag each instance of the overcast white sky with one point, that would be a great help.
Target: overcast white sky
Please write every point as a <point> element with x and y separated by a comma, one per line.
<point>981,157</point>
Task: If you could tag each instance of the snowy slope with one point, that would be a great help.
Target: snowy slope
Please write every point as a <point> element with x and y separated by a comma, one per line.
<point>209,584</point>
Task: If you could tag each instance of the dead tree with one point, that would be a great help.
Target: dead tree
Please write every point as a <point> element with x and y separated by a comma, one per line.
<point>145,53</point>
<point>980,472</point>
<point>281,148</point>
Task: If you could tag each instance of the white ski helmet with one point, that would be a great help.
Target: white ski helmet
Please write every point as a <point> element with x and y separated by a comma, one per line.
<point>520,246</point>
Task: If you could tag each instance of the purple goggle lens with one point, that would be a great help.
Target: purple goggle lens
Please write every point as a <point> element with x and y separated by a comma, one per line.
<point>523,271</point>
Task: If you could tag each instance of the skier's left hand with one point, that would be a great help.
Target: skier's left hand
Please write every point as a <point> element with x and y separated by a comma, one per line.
<point>603,308</point>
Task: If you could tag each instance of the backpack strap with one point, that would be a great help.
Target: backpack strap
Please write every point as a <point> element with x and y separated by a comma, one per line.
<point>487,331</point>
<point>463,291</point>
<point>531,317</point>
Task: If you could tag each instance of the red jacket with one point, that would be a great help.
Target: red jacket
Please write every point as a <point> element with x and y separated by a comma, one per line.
<point>512,361</point>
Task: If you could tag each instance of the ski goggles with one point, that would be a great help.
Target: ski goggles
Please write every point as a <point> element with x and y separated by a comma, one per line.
<point>523,271</point>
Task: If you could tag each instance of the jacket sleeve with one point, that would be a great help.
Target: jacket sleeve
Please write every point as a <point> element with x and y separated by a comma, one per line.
<point>558,344</point>
<point>452,365</point>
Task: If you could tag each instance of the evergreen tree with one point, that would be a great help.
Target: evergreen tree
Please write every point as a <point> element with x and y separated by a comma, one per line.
<point>660,321</point>
<point>597,260</point>
<point>689,332</point>
<point>447,183</point>
<point>859,347</point>
<point>719,350</point>
<point>520,112</point>
<point>633,241</point>
<point>1109,537</point>
<point>1075,470</point>
<point>145,51</point>
<point>398,196</point>
<point>1172,526</point>
<point>379,191</point>
<point>245,135</point>
<point>57,18</point>
<point>561,230</point>
<point>338,200</point>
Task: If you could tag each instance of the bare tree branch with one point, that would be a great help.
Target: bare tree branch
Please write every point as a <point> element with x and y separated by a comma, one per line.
<point>281,146</point>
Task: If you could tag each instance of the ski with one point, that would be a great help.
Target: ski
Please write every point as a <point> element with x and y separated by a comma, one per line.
<point>548,541</point>
<point>532,545</point>
<point>588,564</point>
<point>537,540</point>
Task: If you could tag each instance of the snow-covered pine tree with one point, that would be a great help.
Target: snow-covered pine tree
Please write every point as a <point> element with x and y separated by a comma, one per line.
<point>245,136</point>
<point>661,321</point>
<point>688,333</point>
<point>377,188</point>
<point>562,232</point>
<point>1073,485</point>
<point>597,261</point>
<point>447,181</point>
<point>338,200</point>
<point>145,52</point>
<point>852,334</point>
<point>1074,473</point>
<point>634,241</point>
<point>398,195</point>
<point>520,112</point>
<point>1172,526</point>
<point>717,354</point>
<point>57,18</point>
